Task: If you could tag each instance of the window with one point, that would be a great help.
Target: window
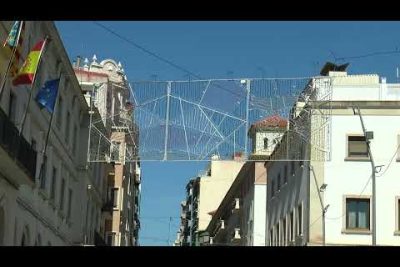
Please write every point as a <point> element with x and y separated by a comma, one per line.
<point>270,237</point>
<point>284,232</point>
<point>265,143</point>
<point>115,150</point>
<point>301,154</point>
<point>300,220</point>
<point>59,112</point>
<point>114,197</point>
<point>278,233</point>
<point>108,225</point>
<point>357,213</point>
<point>75,139</point>
<point>272,188</point>
<point>67,127</point>
<point>357,146</point>
<point>53,184</point>
<point>292,167</point>
<point>398,214</point>
<point>398,144</point>
<point>69,203</point>
<point>110,240</point>
<point>279,182</point>
<point>12,108</point>
<point>62,194</point>
<point>34,147</point>
<point>285,174</point>
<point>292,225</point>
<point>43,173</point>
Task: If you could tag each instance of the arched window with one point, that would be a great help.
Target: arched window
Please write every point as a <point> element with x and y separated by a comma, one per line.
<point>265,143</point>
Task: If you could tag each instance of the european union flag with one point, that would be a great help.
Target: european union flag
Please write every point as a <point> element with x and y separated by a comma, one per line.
<point>47,95</point>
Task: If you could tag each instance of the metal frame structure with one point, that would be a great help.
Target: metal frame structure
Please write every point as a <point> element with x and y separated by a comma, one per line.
<point>196,119</point>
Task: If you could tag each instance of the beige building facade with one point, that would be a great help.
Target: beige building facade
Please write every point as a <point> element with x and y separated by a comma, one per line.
<point>57,209</point>
<point>106,85</point>
<point>204,195</point>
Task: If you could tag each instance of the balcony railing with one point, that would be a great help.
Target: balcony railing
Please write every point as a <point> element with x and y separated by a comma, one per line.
<point>220,226</point>
<point>235,205</point>
<point>236,235</point>
<point>137,177</point>
<point>17,147</point>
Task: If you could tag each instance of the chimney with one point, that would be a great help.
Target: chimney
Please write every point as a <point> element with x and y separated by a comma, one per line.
<point>238,156</point>
<point>78,62</point>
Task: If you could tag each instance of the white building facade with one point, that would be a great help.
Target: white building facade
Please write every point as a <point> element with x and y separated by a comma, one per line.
<point>343,178</point>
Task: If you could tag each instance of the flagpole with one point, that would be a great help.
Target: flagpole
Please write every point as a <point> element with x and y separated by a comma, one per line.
<point>10,61</point>
<point>48,131</point>
<point>33,84</point>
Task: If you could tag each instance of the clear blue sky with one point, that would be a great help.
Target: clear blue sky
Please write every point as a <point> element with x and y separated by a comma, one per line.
<point>219,50</point>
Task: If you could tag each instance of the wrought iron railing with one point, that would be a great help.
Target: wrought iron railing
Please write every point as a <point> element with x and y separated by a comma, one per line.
<point>16,146</point>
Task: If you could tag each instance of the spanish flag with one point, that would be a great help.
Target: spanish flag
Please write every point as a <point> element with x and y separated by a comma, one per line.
<point>28,70</point>
<point>14,41</point>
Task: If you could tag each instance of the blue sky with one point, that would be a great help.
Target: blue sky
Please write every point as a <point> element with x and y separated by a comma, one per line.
<point>220,50</point>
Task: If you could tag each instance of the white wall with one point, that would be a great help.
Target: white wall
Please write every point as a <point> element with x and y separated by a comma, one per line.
<point>260,207</point>
<point>350,177</point>
<point>213,188</point>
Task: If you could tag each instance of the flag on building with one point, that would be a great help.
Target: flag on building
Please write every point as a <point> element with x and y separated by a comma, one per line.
<point>47,95</point>
<point>14,41</point>
<point>29,68</point>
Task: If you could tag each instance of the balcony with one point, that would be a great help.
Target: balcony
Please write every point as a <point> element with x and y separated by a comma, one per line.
<point>220,227</point>
<point>183,203</point>
<point>137,177</point>
<point>236,205</point>
<point>137,224</point>
<point>236,236</point>
<point>15,149</point>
